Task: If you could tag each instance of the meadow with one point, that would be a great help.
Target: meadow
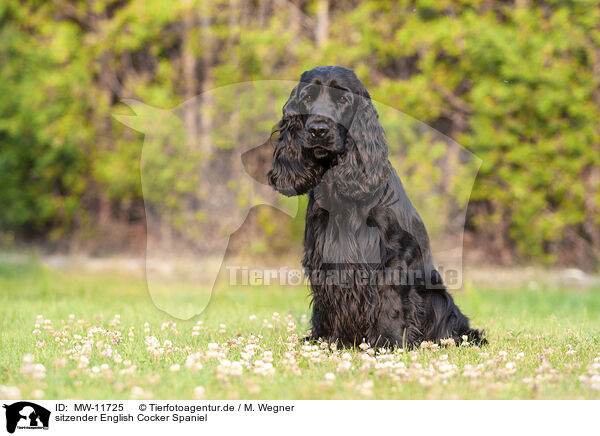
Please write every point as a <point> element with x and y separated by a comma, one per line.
<point>98,336</point>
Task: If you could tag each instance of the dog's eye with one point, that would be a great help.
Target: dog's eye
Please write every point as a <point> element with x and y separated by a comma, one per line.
<point>343,99</point>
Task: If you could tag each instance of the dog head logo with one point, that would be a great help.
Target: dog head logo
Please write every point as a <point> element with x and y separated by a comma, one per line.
<point>198,188</point>
<point>26,415</point>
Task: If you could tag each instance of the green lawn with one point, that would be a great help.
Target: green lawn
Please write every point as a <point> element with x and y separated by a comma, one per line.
<point>542,345</point>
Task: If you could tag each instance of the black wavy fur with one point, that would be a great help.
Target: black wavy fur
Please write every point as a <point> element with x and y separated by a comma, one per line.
<point>357,206</point>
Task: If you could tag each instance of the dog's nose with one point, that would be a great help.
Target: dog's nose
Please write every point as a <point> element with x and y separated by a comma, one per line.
<point>318,130</point>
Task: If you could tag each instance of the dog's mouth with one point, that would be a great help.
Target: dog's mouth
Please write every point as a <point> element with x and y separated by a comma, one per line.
<point>321,153</point>
<point>323,149</point>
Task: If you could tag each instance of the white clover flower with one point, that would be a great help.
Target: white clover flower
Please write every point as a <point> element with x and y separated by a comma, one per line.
<point>236,369</point>
<point>129,370</point>
<point>268,369</point>
<point>34,370</point>
<point>199,392</point>
<point>138,393</point>
<point>267,356</point>
<point>366,388</point>
<point>448,342</point>
<point>344,366</point>
<point>193,362</point>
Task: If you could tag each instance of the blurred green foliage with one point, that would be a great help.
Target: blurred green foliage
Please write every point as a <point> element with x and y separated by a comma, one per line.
<point>515,82</point>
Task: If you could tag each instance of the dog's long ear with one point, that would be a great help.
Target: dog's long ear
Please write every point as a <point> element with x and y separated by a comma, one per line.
<point>365,167</point>
<point>289,173</point>
<point>290,119</point>
<point>291,106</point>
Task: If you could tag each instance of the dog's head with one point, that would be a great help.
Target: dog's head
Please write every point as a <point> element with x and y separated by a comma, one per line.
<point>328,121</point>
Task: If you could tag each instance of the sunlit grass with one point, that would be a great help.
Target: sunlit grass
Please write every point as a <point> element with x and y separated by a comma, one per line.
<point>101,337</point>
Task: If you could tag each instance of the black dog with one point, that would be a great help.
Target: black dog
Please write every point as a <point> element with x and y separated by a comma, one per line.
<point>361,228</point>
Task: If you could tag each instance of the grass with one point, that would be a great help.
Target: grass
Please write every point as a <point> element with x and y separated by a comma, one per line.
<point>543,344</point>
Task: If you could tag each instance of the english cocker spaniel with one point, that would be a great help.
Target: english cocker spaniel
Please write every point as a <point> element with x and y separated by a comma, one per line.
<point>366,250</point>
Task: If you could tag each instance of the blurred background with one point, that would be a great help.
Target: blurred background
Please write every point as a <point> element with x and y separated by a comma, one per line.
<point>516,83</point>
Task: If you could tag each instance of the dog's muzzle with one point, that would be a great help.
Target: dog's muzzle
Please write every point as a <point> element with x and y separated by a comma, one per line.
<point>322,138</point>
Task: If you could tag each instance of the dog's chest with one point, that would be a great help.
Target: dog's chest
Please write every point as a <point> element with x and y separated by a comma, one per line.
<point>341,259</point>
<point>342,234</point>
